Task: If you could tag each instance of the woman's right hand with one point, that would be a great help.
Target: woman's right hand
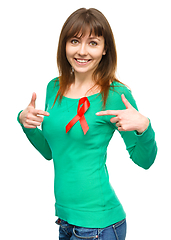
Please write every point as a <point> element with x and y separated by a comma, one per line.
<point>31,117</point>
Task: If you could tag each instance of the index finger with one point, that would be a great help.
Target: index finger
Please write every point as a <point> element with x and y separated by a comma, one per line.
<point>41,112</point>
<point>108,112</point>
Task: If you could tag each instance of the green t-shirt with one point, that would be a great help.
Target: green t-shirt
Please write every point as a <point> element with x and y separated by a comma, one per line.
<point>84,196</point>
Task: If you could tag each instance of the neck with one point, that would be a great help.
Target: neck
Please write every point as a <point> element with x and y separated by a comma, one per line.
<point>83,79</point>
<point>82,85</point>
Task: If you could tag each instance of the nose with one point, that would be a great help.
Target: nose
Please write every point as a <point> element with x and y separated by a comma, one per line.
<point>82,51</point>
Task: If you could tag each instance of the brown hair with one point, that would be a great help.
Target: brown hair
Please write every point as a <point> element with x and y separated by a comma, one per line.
<point>105,73</point>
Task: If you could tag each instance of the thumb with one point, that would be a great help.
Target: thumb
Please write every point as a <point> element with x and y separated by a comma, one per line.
<point>125,101</point>
<point>33,100</point>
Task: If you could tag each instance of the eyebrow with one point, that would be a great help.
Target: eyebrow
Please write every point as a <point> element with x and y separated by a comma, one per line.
<point>93,37</point>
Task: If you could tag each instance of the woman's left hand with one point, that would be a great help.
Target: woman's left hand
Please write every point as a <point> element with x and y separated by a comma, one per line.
<point>127,120</point>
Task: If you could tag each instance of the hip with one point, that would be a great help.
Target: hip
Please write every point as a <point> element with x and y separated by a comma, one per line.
<point>115,231</point>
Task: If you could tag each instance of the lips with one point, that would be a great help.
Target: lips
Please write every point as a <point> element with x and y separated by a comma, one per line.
<point>82,61</point>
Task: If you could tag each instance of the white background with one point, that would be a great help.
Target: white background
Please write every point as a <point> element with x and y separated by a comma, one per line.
<point>28,44</point>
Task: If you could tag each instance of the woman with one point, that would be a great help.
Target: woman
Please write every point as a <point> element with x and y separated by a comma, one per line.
<point>84,107</point>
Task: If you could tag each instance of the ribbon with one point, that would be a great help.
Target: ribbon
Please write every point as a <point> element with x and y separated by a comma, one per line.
<point>80,115</point>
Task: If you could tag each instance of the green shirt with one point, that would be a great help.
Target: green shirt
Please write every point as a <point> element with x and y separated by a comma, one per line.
<point>84,196</point>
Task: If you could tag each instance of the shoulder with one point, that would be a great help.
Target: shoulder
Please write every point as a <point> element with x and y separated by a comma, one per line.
<point>54,83</point>
<point>53,86</point>
<point>115,92</point>
<point>119,88</point>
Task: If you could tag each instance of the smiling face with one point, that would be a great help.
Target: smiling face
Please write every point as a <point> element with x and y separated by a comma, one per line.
<point>85,52</point>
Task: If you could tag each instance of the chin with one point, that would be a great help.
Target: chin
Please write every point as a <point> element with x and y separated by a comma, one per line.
<point>83,70</point>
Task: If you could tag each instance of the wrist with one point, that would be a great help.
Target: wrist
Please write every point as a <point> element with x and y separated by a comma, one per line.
<point>144,126</point>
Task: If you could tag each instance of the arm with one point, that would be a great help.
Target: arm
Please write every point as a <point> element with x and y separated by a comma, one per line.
<point>137,133</point>
<point>29,119</point>
<point>142,148</point>
<point>135,129</point>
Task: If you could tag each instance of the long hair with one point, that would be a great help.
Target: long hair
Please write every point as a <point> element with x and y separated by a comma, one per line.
<point>105,73</point>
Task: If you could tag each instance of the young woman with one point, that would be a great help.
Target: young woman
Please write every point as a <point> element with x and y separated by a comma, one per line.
<point>84,107</point>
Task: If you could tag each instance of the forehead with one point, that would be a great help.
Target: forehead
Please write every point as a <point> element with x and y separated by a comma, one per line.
<point>85,30</point>
<point>87,35</point>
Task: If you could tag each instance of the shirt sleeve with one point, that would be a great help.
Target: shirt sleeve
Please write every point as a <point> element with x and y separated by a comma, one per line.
<point>142,148</point>
<point>37,139</point>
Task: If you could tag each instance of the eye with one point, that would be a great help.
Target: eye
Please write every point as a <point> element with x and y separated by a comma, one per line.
<point>74,41</point>
<point>93,43</point>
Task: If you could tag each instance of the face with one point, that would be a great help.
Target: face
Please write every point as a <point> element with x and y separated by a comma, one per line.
<point>84,53</point>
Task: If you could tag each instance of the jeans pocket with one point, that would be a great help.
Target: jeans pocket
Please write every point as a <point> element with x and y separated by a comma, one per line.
<point>120,230</point>
<point>64,229</point>
<point>85,233</point>
<point>63,223</point>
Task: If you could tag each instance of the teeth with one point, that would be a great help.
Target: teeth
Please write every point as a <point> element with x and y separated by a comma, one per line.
<point>82,61</point>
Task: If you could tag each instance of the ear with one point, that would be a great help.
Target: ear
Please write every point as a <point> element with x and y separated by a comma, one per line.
<point>104,52</point>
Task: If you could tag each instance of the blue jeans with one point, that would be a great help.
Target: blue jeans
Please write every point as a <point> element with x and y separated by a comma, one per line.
<point>67,231</point>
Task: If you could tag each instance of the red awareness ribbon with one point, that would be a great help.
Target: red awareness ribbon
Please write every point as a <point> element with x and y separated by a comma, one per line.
<point>80,115</point>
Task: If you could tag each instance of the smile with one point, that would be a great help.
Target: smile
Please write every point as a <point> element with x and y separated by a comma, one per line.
<point>82,61</point>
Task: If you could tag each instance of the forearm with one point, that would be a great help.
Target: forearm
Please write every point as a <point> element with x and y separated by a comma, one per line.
<point>144,152</point>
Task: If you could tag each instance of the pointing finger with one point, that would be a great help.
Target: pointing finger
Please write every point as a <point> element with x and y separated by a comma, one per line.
<point>107,112</point>
<point>41,112</point>
<point>44,113</point>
